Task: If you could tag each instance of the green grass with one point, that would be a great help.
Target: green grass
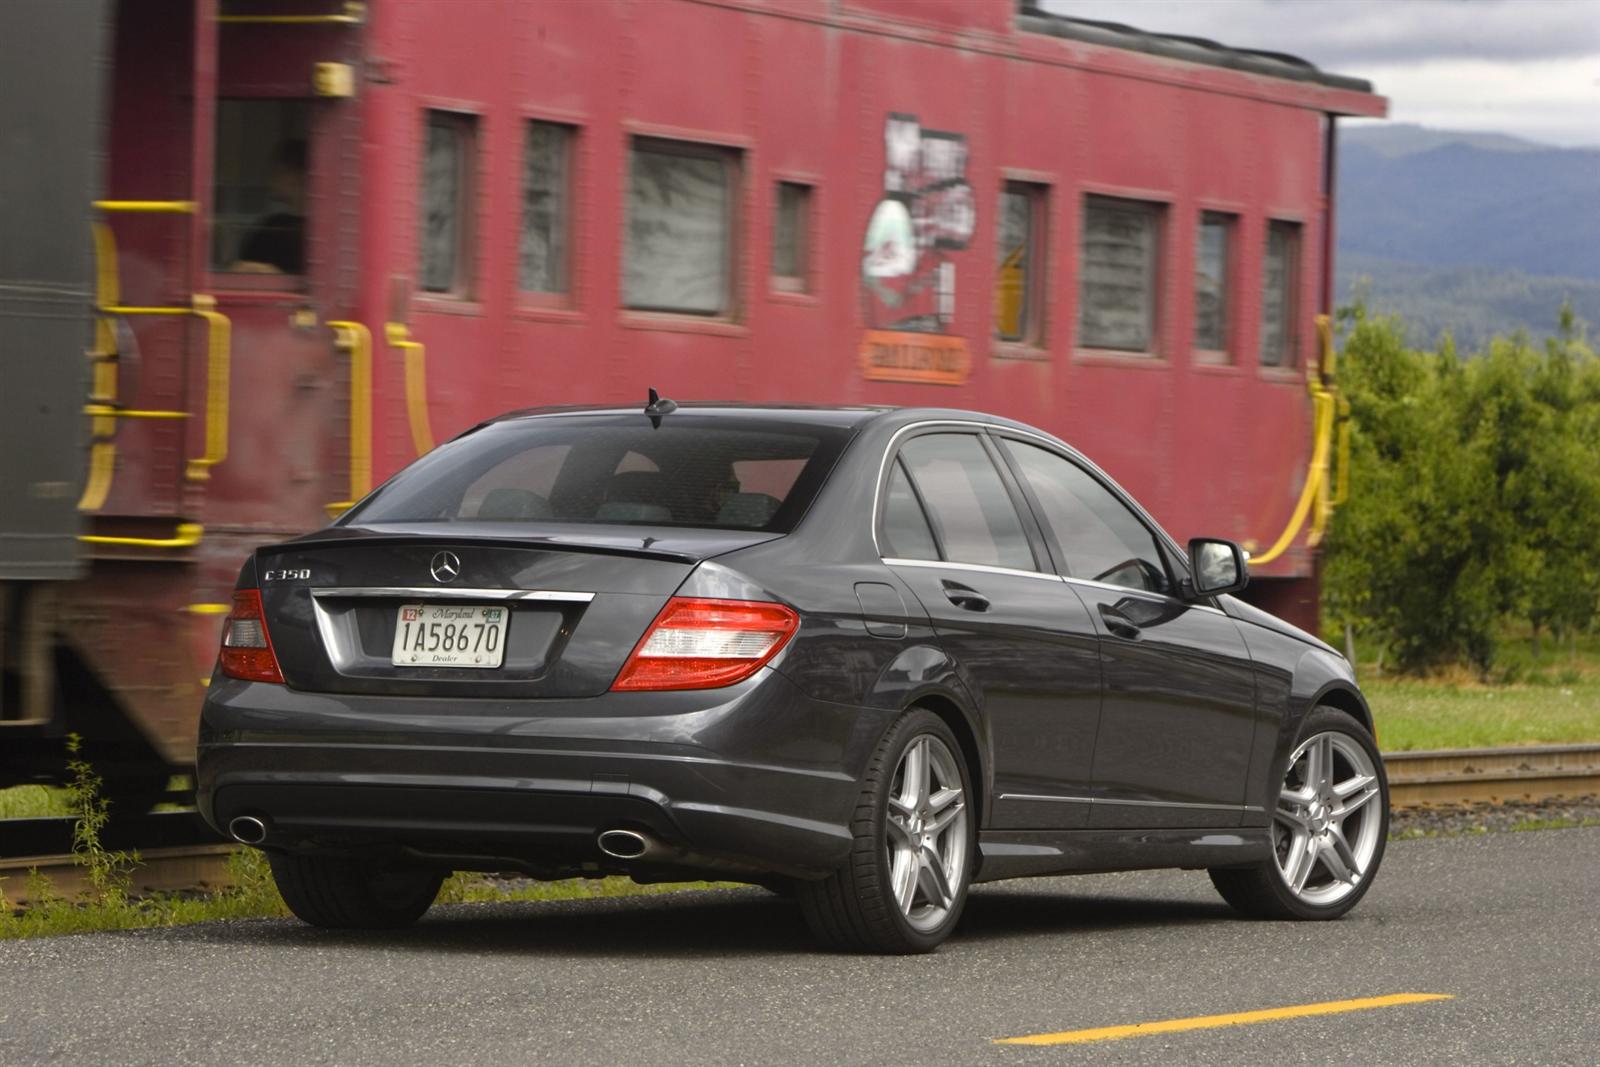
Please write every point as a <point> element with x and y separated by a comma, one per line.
<point>33,802</point>
<point>1414,715</point>
<point>252,895</point>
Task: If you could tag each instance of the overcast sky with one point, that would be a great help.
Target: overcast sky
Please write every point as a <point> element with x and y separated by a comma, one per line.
<point>1525,67</point>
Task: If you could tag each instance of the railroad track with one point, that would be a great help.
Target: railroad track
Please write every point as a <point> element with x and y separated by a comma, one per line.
<point>179,851</point>
<point>1493,775</point>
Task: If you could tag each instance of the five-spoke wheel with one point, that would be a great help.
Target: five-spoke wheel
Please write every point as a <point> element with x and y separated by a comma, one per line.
<point>926,832</point>
<point>1328,829</point>
<point>904,885</point>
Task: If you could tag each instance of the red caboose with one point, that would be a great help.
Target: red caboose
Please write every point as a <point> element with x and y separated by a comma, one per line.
<point>328,235</point>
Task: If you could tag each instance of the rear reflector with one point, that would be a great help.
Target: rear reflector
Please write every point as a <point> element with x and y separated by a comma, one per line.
<point>706,644</point>
<point>246,648</point>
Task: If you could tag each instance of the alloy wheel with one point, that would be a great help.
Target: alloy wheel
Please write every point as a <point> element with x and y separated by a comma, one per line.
<point>1326,827</point>
<point>925,832</point>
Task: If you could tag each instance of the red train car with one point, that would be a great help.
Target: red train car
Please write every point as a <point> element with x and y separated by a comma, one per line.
<point>329,235</point>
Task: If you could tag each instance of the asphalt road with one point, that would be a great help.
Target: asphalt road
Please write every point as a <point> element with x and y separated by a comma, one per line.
<point>1506,924</point>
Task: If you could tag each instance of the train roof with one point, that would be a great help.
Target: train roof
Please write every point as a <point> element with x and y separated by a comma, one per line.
<point>1189,49</point>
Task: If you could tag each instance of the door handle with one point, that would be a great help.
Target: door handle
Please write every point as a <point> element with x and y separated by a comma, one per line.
<point>1118,623</point>
<point>965,597</point>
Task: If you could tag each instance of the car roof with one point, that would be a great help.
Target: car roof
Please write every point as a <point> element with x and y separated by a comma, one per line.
<point>847,416</point>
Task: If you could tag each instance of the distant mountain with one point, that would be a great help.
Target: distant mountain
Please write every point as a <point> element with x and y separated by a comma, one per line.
<point>1470,231</point>
<point>1406,139</point>
<point>1472,304</point>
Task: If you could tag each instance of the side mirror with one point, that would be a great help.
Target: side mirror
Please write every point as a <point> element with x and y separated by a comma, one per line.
<point>1216,567</point>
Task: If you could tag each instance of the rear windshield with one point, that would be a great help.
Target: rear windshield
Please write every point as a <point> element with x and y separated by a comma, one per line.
<point>715,472</point>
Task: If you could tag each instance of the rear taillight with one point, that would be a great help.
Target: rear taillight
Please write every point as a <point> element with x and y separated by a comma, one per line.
<point>704,644</point>
<point>246,646</point>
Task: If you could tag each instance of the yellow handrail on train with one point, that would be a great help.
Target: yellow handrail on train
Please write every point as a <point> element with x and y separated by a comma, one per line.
<point>354,15</point>
<point>187,536</point>
<point>355,338</point>
<point>219,335</point>
<point>400,337</point>
<point>108,411</point>
<point>1328,406</point>
<point>103,387</point>
<point>219,347</point>
<point>148,207</point>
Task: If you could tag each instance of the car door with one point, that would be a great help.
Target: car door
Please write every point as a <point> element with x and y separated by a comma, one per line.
<point>1179,699</point>
<point>954,529</point>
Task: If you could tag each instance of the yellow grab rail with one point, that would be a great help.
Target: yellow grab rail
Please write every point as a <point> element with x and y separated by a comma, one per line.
<point>219,346</point>
<point>399,337</point>
<point>187,536</point>
<point>355,338</point>
<point>109,411</point>
<point>354,15</point>
<point>103,390</point>
<point>1327,407</point>
<point>148,207</point>
<point>102,406</point>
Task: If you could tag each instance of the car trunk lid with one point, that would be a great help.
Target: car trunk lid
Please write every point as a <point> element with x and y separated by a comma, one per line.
<point>575,600</point>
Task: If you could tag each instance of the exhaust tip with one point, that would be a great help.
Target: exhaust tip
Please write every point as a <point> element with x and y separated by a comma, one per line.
<point>247,829</point>
<point>623,844</point>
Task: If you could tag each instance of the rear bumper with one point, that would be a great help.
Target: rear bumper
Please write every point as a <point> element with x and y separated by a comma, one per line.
<point>749,779</point>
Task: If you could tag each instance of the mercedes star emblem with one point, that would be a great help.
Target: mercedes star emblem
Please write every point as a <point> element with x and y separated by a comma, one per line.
<point>446,566</point>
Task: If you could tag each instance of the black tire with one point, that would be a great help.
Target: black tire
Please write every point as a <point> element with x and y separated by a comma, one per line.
<point>854,909</point>
<point>1262,890</point>
<point>345,894</point>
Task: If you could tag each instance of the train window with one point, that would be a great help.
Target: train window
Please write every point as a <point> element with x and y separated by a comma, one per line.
<point>791,241</point>
<point>679,254</point>
<point>259,195</point>
<point>445,229</point>
<point>543,249</point>
<point>1212,284</point>
<point>1279,280</point>
<point>1117,274</point>
<point>1019,266</point>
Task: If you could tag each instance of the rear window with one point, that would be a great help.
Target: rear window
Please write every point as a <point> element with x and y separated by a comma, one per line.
<point>711,472</point>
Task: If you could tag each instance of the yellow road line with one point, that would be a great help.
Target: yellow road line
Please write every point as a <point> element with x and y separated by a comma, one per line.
<point>1210,1022</point>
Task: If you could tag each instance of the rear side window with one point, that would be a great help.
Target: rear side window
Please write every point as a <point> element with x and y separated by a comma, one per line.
<point>724,473</point>
<point>1096,535</point>
<point>968,505</point>
<point>905,527</point>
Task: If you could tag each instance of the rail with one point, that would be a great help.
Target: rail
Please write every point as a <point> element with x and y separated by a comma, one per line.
<point>1329,407</point>
<point>103,408</point>
<point>354,338</point>
<point>1493,775</point>
<point>399,336</point>
<point>354,15</point>
<point>187,535</point>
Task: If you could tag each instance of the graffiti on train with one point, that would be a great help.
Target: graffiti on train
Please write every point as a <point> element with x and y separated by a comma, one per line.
<point>908,263</point>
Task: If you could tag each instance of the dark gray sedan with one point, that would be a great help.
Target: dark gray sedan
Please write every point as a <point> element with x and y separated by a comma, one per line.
<point>865,656</point>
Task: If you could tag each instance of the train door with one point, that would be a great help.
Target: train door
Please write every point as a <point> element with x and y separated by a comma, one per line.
<point>218,393</point>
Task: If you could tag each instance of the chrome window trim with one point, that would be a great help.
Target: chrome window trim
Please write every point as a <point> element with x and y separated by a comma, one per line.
<point>883,465</point>
<point>439,592</point>
<point>1056,445</point>
<point>984,568</point>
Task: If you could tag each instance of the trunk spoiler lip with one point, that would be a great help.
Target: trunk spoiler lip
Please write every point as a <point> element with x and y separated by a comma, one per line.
<point>675,544</point>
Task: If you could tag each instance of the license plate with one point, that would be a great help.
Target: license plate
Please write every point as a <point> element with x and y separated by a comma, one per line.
<point>449,635</point>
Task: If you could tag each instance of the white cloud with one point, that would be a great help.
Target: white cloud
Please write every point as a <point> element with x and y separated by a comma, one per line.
<point>1526,67</point>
